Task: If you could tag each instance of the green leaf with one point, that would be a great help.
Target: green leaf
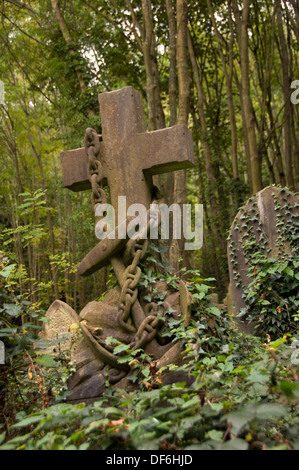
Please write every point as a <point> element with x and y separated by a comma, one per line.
<point>257,376</point>
<point>120,348</point>
<point>6,271</point>
<point>280,447</point>
<point>221,358</point>
<point>194,401</point>
<point>203,288</point>
<point>289,272</point>
<point>125,359</point>
<point>2,437</point>
<point>214,311</point>
<point>215,435</point>
<point>288,388</point>
<point>270,411</point>
<point>235,444</point>
<point>278,342</point>
<point>28,421</point>
<point>199,296</point>
<point>12,309</point>
<point>238,419</point>
<point>46,360</point>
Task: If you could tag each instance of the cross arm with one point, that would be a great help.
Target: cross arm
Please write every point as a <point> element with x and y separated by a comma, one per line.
<point>74,169</point>
<point>167,150</point>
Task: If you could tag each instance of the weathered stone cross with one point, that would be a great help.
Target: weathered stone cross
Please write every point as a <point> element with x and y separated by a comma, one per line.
<point>130,156</point>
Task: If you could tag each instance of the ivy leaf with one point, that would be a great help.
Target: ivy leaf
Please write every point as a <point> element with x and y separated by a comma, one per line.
<point>199,296</point>
<point>12,309</point>
<point>214,311</point>
<point>270,411</point>
<point>124,359</point>
<point>263,412</point>
<point>28,421</point>
<point>2,437</point>
<point>289,272</point>
<point>120,348</point>
<point>6,271</point>
<point>46,360</point>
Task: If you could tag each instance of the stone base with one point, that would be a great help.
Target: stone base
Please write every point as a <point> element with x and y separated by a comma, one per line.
<point>92,376</point>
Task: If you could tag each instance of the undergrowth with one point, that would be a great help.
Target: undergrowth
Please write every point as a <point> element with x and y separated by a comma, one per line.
<point>243,393</point>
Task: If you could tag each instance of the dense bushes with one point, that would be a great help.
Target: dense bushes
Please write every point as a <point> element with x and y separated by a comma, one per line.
<point>244,392</point>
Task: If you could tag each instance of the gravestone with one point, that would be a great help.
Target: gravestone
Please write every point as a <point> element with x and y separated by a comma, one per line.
<point>123,158</point>
<point>61,320</point>
<point>267,222</point>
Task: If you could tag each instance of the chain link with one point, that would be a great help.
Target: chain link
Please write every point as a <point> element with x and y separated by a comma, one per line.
<point>148,328</point>
<point>95,169</point>
<point>137,248</point>
<point>129,290</point>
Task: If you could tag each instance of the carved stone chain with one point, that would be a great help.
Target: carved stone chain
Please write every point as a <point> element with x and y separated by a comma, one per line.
<point>137,248</point>
<point>131,278</point>
<point>95,170</point>
<point>149,327</point>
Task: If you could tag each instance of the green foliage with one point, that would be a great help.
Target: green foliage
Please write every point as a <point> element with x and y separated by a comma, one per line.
<point>241,394</point>
<point>244,393</point>
<point>241,399</point>
<point>273,296</point>
<point>31,376</point>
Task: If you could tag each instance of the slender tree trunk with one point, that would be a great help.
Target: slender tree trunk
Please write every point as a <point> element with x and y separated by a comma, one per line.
<point>147,49</point>
<point>172,80</point>
<point>228,83</point>
<point>203,124</point>
<point>165,182</point>
<point>277,160</point>
<point>287,121</point>
<point>49,215</point>
<point>177,253</point>
<point>295,22</point>
<point>184,79</point>
<point>248,114</point>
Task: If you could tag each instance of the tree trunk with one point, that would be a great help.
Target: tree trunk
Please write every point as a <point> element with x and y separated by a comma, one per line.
<point>287,120</point>
<point>49,215</point>
<point>156,119</point>
<point>182,61</point>
<point>228,84</point>
<point>178,256</point>
<point>172,81</point>
<point>248,114</point>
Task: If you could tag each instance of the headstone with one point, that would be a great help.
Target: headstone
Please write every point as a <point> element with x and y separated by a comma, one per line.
<point>125,158</point>
<point>61,320</point>
<point>268,222</point>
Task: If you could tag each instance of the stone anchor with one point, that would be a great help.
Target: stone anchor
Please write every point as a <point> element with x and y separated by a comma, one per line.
<point>125,157</point>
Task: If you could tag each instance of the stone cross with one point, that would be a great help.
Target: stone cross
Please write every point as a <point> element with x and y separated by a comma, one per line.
<point>130,156</point>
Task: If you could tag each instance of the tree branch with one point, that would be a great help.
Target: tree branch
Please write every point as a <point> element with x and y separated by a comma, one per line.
<point>23,6</point>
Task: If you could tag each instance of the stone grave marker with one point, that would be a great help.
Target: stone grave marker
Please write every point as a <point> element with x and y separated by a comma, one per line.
<point>61,320</point>
<point>124,158</point>
<point>268,222</point>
